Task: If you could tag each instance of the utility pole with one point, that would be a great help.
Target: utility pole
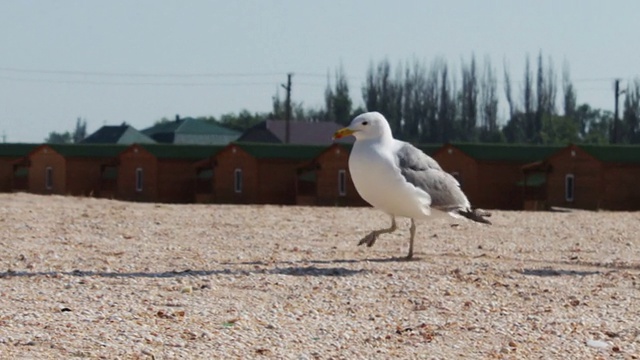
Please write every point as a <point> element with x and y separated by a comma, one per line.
<point>614,132</point>
<point>287,116</point>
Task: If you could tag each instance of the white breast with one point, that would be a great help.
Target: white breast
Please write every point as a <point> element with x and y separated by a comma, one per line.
<point>380,183</point>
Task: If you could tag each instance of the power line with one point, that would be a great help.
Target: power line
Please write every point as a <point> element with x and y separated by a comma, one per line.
<point>225,75</point>
<point>76,81</point>
<point>162,75</point>
<point>328,75</point>
<point>144,75</point>
<point>615,130</point>
<point>129,83</point>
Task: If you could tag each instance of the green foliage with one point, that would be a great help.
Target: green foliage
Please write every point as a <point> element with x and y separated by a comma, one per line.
<point>491,136</point>
<point>515,130</point>
<point>593,124</point>
<point>424,104</point>
<point>599,130</point>
<point>630,124</point>
<point>59,138</point>
<point>558,130</point>
<point>383,92</point>
<point>78,134</point>
<point>279,110</point>
<point>243,120</point>
<point>337,101</point>
<point>163,120</point>
<point>468,102</point>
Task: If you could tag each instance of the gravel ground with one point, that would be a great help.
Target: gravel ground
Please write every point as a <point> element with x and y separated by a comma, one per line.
<point>102,279</point>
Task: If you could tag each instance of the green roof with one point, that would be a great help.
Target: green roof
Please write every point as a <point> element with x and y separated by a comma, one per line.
<point>16,150</point>
<point>507,152</point>
<point>613,153</point>
<point>282,151</point>
<point>190,126</point>
<point>117,134</point>
<point>164,127</point>
<point>193,126</point>
<point>87,150</point>
<point>171,151</point>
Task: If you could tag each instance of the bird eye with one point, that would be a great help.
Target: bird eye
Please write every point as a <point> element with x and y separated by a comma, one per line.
<point>365,123</point>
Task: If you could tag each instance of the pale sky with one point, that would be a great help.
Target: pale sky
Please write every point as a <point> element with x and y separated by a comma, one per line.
<point>138,61</point>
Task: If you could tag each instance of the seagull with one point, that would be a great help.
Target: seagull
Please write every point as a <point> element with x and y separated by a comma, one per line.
<point>400,180</point>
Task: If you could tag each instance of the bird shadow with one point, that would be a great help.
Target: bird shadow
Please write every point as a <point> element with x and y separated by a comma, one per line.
<point>561,267</point>
<point>336,271</point>
<point>326,268</point>
<point>329,268</point>
<point>548,272</point>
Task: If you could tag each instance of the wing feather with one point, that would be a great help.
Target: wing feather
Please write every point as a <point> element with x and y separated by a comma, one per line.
<point>425,173</point>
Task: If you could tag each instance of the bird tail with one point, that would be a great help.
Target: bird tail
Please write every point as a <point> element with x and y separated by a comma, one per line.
<point>477,215</point>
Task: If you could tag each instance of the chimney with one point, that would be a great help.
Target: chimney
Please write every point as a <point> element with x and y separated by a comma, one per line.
<point>177,118</point>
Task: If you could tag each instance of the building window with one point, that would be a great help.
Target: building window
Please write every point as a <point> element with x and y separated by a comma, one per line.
<point>237,180</point>
<point>48,178</point>
<point>342,182</point>
<point>139,179</point>
<point>569,187</point>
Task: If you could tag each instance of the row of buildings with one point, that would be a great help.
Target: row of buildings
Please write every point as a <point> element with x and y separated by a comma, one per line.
<point>190,131</point>
<point>494,176</point>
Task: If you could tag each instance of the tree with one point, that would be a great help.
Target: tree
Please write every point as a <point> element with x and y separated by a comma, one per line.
<point>631,114</point>
<point>569,100</point>
<point>370,92</point>
<point>446,109</point>
<point>508,92</point>
<point>545,95</point>
<point>279,107</point>
<point>558,130</point>
<point>515,130</point>
<point>383,93</point>
<point>396,97</point>
<point>243,120</point>
<point>338,102</point>
<point>59,138</point>
<point>468,102</point>
<point>597,124</point>
<point>528,100</point>
<point>357,111</point>
<point>538,104</point>
<point>328,113</point>
<point>298,112</point>
<point>429,128</point>
<point>414,106</point>
<point>80,132</point>
<point>488,112</point>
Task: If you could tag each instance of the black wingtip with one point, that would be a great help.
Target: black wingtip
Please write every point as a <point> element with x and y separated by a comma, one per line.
<point>477,215</point>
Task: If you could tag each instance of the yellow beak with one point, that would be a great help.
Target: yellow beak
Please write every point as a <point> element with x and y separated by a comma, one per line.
<point>342,133</point>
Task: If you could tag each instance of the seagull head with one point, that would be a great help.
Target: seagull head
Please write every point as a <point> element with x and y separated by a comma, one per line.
<point>370,125</point>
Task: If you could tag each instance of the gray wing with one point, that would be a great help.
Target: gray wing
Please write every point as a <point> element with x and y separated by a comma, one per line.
<point>425,173</point>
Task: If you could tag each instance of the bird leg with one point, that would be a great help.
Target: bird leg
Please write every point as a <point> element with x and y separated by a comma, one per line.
<point>412,229</point>
<point>370,239</point>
